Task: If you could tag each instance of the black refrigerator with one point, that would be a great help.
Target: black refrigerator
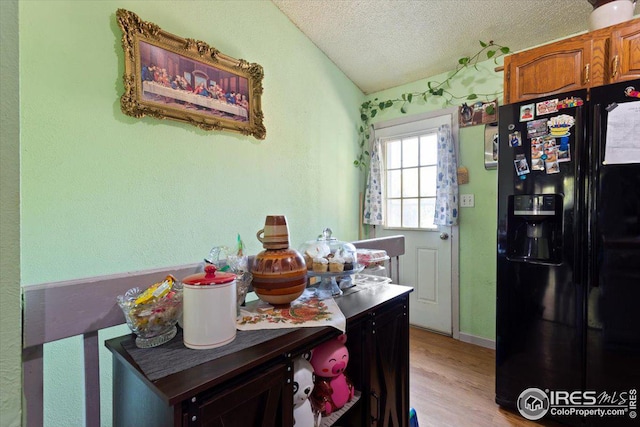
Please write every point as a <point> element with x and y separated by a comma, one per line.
<point>568,257</point>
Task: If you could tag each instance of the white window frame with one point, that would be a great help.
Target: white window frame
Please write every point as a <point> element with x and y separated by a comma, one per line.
<point>413,126</point>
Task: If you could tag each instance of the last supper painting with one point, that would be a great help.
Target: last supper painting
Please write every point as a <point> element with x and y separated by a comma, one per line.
<point>187,80</point>
<point>181,82</point>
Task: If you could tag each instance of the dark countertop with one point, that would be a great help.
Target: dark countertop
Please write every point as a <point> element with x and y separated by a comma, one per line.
<point>176,387</point>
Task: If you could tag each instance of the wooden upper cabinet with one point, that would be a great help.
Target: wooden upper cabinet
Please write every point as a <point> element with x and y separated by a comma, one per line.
<point>625,52</point>
<point>553,68</point>
<point>604,56</point>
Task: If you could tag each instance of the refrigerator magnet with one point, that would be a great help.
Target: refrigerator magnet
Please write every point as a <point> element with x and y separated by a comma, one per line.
<point>564,155</point>
<point>564,150</point>
<point>631,92</point>
<point>515,140</point>
<point>551,154</point>
<point>537,128</point>
<point>551,159</point>
<point>546,107</point>
<point>526,112</point>
<point>571,102</point>
<point>552,166</point>
<point>522,167</point>
<point>537,164</point>
<point>537,150</point>
<point>560,125</point>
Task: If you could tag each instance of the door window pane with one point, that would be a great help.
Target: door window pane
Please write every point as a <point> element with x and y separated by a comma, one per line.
<point>394,213</point>
<point>394,183</point>
<point>410,178</point>
<point>410,182</point>
<point>410,213</point>
<point>410,152</point>
<point>429,149</point>
<point>427,212</point>
<point>394,154</point>
<point>428,181</point>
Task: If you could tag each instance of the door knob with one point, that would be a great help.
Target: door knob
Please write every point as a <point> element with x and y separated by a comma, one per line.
<point>444,236</point>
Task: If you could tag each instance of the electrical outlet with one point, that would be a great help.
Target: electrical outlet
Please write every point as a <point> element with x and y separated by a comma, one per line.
<point>467,201</point>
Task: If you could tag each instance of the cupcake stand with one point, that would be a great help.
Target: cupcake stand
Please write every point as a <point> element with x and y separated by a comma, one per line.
<point>328,286</point>
<point>328,249</point>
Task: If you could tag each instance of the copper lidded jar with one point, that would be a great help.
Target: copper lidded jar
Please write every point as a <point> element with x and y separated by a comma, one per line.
<point>279,272</point>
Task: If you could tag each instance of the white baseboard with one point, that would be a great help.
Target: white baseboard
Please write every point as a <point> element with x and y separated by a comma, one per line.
<point>482,342</point>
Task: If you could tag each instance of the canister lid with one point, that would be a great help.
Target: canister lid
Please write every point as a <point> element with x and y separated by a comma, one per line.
<point>209,277</point>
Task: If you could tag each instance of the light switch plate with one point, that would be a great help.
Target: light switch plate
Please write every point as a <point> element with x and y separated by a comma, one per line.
<point>467,201</point>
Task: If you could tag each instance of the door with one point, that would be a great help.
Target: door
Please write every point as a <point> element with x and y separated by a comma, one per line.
<point>409,159</point>
<point>539,292</point>
<point>379,342</point>
<point>262,399</point>
<point>388,375</point>
<point>426,265</point>
<point>613,342</point>
<point>625,53</point>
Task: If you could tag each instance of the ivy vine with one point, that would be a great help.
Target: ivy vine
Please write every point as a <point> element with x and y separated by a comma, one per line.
<point>369,109</point>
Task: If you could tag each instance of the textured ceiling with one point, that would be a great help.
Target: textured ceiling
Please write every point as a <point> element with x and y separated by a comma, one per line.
<point>380,44</point>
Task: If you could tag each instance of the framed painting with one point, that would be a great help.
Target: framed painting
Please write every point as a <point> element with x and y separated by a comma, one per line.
<point>478,113</point>
<point>170,77</point>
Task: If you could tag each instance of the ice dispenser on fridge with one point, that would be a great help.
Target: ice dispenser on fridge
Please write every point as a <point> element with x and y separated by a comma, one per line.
<point>534,228</point>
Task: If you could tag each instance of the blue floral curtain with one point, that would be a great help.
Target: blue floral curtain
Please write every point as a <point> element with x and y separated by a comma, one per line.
<point>447,179</point>
<point>373,192</point>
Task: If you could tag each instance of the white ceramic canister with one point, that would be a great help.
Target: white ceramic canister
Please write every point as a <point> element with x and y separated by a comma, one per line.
<point>209,309</point>
<point>607,13</point>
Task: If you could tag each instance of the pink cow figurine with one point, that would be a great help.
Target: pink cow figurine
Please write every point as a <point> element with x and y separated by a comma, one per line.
<point>332,387</point>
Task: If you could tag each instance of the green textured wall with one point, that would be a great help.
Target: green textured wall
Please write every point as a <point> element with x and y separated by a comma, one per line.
<point>10,322</point>
<point>478,224</point>
<point>104,193</point>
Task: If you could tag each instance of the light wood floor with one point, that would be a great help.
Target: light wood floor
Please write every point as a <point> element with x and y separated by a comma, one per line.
<point>452,383</point>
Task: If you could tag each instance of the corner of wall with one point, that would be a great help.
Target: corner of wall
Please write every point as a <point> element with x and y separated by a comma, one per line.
<point>10,319</point>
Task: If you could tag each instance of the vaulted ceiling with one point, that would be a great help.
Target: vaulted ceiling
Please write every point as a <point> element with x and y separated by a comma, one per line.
<point>380,44</point>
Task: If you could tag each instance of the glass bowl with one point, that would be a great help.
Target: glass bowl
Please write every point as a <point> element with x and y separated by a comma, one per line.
<point>153,322</point>
<point>243,281</point>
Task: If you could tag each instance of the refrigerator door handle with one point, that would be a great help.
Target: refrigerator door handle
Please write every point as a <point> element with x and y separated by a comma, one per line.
<point>595,154</point>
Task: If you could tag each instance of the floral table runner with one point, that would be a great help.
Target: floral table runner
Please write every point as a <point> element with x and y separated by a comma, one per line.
<point>306,311</point>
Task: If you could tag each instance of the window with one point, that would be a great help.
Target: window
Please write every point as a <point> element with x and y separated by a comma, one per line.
<point>409,169</point>
<point>410,180</point>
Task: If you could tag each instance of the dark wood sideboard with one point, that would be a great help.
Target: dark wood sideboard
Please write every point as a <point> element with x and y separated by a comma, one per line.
<point>253,387</point>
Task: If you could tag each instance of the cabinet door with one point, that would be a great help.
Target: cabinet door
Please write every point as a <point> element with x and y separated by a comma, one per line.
<point>389,370</point>
<point>625,52</point>
<point>261,399</point>
<point>554,68</point>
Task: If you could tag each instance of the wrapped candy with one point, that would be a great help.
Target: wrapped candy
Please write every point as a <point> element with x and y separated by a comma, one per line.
<point>153,313</point>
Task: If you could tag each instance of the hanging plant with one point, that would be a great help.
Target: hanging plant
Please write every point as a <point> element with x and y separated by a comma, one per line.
<point>369,109</point>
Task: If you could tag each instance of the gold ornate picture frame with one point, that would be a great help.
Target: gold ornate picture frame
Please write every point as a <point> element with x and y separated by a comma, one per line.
<point>169,77</point>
